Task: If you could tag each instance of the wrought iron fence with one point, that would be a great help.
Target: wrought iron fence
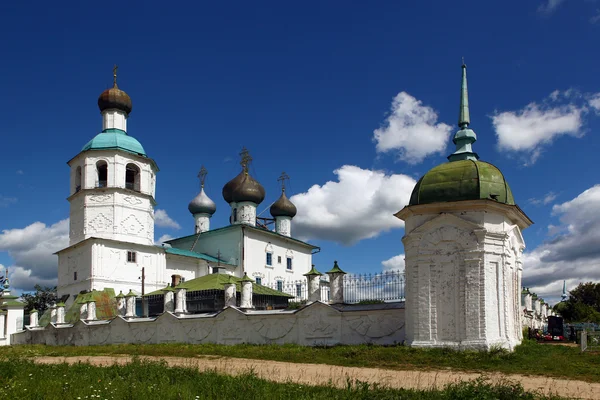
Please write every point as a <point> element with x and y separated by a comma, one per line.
<point>297,289</point>
<point>590,341</point>
<point>386,286</point>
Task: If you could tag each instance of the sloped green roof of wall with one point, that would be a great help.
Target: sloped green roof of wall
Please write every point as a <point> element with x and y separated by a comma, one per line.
<point>218,281</point>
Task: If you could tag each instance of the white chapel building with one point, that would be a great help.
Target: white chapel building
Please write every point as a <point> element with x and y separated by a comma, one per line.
<point>111,234</point>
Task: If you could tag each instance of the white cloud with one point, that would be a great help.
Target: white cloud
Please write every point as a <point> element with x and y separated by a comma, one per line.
<point>594,99</point>
<point>573,253</point>
<point>395,263</point>
<point>32,250</point>
<point>412,130</point>
<point>162,219</point>
<point>20,172</point>
<point>529,129</point>
<point>6,201</point>
<point>163,239</point>
<point>547,199</point>
<point>360,205</point>
<point>549,6</point>
<point>596,17</point>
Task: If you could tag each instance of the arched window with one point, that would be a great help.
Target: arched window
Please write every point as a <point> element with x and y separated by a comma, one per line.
<point>78,179</point>
<point>102,169</point>
<point>132,177</point>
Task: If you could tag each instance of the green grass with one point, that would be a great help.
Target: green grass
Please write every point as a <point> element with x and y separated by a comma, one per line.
<point>22,379</point>
<point>530,358</point>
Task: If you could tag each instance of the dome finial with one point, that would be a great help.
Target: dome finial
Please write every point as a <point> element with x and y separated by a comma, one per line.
<point>463,119</point>
<point>245,159</point>
<point>202,175</point>
<point>282,179</point>
<point>115,68</point>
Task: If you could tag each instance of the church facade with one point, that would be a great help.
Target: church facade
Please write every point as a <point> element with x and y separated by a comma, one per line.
<point>111,235</point>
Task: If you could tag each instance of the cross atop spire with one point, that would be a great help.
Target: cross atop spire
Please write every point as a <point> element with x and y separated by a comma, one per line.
<point>282,179</point>
<point>115,68</point>
<point>245,159</point>
<point>464,119</point>
<point>202,175</point>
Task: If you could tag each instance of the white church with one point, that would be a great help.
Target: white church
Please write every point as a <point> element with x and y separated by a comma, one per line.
<point>111,235</point>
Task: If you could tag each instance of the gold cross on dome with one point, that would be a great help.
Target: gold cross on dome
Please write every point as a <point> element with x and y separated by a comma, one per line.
<point>202,175</point>
<point>282,179</point>
<point>246,159</point>
<point>115,68</point>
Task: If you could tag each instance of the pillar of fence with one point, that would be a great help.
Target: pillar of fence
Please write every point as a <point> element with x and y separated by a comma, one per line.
<point>230,293</point>
<point>130,304</point>
<point>53,313</point>
<point>246,298</point>
<point>33,318</point>
<point>336,284</point>
<point>180,294</point>
<point>91,310</point>
<point>169,300</point>
<point>60,313</point>
<point>121,305</point>
<point>314,284</point>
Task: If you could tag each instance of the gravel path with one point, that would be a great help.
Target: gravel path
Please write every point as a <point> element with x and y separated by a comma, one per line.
<point>317,374</point>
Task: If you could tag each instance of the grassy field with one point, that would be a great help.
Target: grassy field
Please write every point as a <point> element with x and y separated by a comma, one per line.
<point>530,358</point>
<point>21,379</point>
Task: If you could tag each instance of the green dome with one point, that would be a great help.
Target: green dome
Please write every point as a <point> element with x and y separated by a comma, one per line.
<point>462,180</point>
<point>115,139</point>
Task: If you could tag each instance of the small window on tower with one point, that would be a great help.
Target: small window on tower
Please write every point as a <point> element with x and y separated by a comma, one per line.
<point>235,215</point>
<point>131,256</point>
<point>289,263</point>
<point>269,258</point>
<point>75,275</point>
<point>77,179</point>
<point>102,169</point>
<point>132,177</point>
<point>278,259</point>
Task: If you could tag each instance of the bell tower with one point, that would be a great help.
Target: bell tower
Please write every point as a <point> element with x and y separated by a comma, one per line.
<point>113,180</point>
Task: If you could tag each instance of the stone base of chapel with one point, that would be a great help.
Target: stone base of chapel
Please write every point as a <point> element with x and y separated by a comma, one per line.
<point>479,344</point>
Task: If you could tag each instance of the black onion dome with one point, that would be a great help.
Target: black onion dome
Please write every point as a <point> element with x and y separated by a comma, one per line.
<point>248,190</point>
<point>115,98</point>
<point>232,184</point>
<point>283,207</point>
<point>202,204</point>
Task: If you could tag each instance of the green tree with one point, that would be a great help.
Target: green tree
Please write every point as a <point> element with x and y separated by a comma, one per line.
<point>583,304</point>
<point>41,299</point>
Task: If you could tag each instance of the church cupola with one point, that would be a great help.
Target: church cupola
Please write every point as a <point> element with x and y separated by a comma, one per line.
<point>201,206</point>
<point>283,210</point>
<point>244,194</point>
<point>115,106</point>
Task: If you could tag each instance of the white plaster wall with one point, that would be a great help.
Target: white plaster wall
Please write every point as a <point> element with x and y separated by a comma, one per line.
<point>227,242</point>
<point>78,259</point>
<point>114,119</point>
<point>463,279</point>
<point>188,268</point>
<point>13,322</point>
<point>256,246</point>
<point>317,324</point>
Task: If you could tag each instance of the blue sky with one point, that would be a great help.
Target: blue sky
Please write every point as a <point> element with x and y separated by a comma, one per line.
<point>304,87</point>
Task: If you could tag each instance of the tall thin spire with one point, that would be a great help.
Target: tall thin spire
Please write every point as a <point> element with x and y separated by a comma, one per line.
<point>465,137</point>
<point>464,119</point>
<point>564,296</point>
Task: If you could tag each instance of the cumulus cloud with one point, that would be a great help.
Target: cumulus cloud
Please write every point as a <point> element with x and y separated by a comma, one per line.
<point>162,219</point>
<point>395,263</point>
<point>549,6</point>
<point>162,239</point>
<point>32,250</point>
<point>360,205</point>
<point>528,130</point>
<point>573,254</point>
<point>411,129</point>
<point>594,99</point>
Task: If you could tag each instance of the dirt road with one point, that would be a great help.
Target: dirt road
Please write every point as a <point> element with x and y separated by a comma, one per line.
<point>316,374</point>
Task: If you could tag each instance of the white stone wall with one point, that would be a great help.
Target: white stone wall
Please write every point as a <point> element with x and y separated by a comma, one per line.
<point>227,242</point>
<point>317,324</point>
<point>189,268</point>
<point>463,279</point>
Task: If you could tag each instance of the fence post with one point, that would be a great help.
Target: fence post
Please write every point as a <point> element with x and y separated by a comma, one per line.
<point>314,284</point>
<point>91,310</point>
<point>121,303</point>
<point>130,304</point>
<point>246,300</point>
<point>53,313</point>
<point>60,313</point>
<point>336,284</point>
<point>180,301</point>
<point>168,301</point>
<point>583,340</point>
<point>230,293</point>
<point>33,318</point>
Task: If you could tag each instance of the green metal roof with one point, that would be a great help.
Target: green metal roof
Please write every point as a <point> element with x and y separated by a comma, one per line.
<point>217,282</point>
<point>106,306</point>
<point>336,269</point>
<point>462,180</point>
<point>115,139</point>
<point>313,271</point>
<point>188,253</point>
<point>160,291</point>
